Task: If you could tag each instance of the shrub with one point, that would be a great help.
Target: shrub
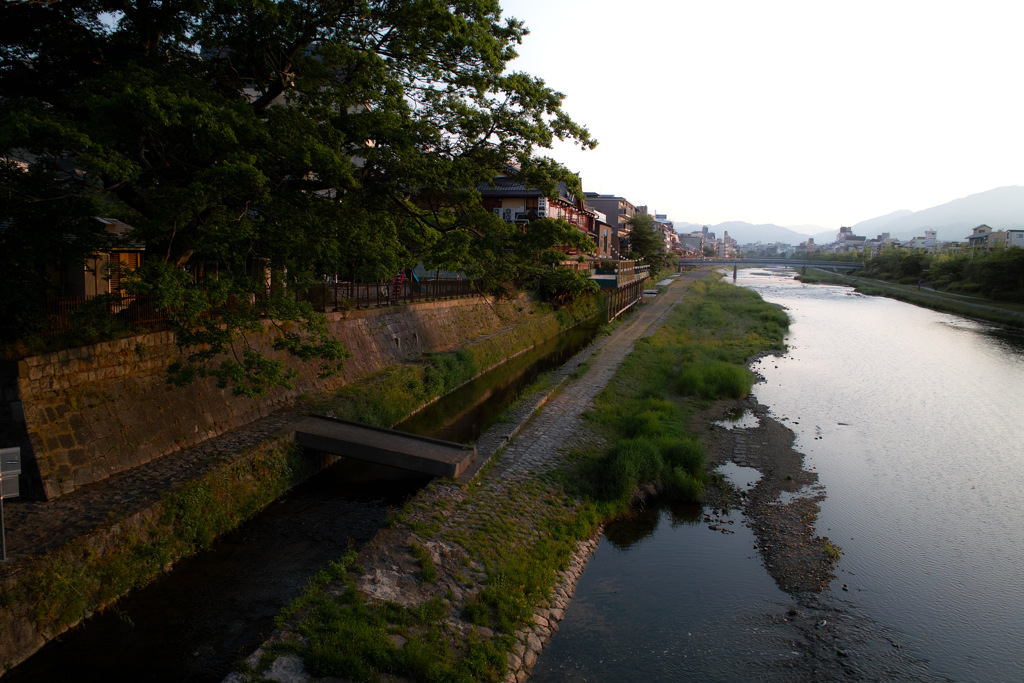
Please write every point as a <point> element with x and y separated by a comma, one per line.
<point>714,380</point>
<point>682,485</point>
<point>446,371</point>
<point>93,320</point>
<point>686,453</point>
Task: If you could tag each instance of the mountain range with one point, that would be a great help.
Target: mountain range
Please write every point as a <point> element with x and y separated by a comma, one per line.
<point>1001,209</point>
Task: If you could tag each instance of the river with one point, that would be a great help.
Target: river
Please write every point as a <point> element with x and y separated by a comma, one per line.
<point>914,422</point>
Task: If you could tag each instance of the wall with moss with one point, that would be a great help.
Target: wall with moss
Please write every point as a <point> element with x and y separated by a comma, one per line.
<point>47,594</point>
<point>94,411</point>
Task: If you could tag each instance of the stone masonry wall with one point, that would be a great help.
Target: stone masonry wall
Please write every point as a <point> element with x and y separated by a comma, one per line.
<point>93,411</point>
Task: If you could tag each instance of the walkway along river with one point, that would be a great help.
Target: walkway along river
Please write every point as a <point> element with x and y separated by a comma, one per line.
<point>912,421</point>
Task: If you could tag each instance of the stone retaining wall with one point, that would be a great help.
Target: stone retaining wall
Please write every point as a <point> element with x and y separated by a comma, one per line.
<point>531,639</point>
<point>43,596</point>
<point>93,411</point>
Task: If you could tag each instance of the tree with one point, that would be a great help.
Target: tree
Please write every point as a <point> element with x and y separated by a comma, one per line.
<point>645,239</point>
<point>281,140</point>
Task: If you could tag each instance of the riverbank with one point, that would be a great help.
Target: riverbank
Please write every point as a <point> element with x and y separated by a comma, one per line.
<point>967,306</point>
<point>79,553</point>
<point>469,581</point>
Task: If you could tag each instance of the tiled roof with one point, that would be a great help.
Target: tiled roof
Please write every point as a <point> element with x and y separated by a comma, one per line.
<point>503,185</point>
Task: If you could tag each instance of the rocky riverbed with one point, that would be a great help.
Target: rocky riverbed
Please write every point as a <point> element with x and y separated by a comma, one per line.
<point>834,640</point>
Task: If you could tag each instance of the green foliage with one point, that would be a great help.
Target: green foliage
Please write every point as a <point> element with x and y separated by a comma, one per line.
<point>996,274</point>
<point>645,240</point>
<point>397,392</point>
<point>521,575</point>
<point>256,148</point>
<point>563,285</point>
<point>715,379</point>
<point>348,638</point>
<point>446,371</point>
<point>93,321</point>
<point>428,572</point>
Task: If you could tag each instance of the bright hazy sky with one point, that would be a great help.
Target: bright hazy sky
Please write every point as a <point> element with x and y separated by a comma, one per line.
<point>813,112</point>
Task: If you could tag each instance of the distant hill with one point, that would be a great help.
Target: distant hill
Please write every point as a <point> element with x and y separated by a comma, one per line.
<point>768,233</point>
<point>747,233</point>
<point>875,226</point>
<point>1001,209</point>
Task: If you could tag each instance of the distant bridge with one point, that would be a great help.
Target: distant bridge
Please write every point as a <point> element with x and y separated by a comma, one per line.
<point>776,262</point>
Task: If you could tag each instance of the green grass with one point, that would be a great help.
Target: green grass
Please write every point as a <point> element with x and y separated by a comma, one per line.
<point>397,392</point>
<point>65,585</point>
<point>982,309</point>
<point>428,572</point>
<point>699,352</point>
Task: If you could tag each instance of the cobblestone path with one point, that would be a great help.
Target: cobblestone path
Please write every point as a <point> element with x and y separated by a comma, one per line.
<point>559,425</point>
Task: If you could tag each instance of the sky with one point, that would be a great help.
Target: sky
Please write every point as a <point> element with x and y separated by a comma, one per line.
<point>799,113</point>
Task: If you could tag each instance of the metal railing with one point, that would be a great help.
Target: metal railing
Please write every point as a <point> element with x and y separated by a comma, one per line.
<point>59,315</point>
<point>133,311</point>
<point>337,295</point>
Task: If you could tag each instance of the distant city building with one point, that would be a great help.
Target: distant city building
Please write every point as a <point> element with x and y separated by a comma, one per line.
<point>618,211</point>
<point>979,237</point>
<point>847,241</point>
<point>927,243</point>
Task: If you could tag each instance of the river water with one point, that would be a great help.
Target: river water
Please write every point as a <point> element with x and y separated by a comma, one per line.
<point>914,422</point>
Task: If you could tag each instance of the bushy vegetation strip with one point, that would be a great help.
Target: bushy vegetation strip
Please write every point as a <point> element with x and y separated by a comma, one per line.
<point>698,354</point>
<point>1000,312</point>
<point>398,391</point>
<point>446,592</point>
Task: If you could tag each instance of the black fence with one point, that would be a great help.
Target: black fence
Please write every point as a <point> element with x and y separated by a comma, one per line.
<point>62,316</point>
<point>332,296</point>
<point>70,314</point>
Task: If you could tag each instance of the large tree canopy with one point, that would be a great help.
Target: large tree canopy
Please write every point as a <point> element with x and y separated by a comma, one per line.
<point>280,139</point>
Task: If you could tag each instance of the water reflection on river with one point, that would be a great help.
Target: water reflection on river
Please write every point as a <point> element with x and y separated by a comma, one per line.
<point>914,421</point>
<point>666,599</point>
